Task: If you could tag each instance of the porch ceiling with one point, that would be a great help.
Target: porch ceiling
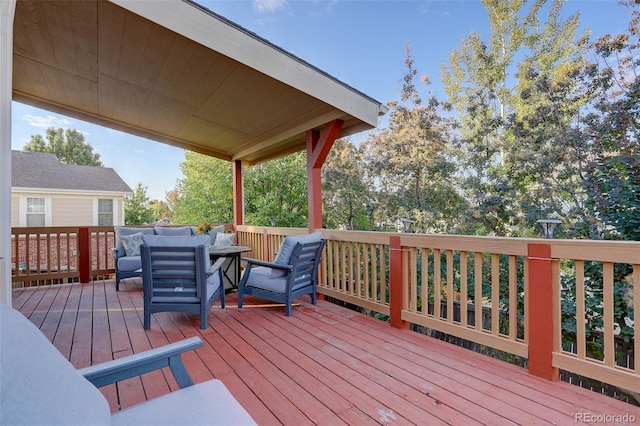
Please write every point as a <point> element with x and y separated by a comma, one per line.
<point>177,73</point>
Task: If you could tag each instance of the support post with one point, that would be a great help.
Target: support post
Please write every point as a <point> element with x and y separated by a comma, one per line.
<point>314,183</point>
<point>84,255</point>
<point>238,194</point>
<point>541,311</point>
<point>395,283</point>
<point>318,147</point>
<point>7,12</point>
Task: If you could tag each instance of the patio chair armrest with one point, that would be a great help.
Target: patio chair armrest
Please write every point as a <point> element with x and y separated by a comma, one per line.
<point>144,362</point>
<point>267,264</point>
<point>216,265</point>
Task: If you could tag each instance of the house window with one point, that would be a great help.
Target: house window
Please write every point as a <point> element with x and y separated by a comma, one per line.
<point>35,212</point>
<point>105,212</point>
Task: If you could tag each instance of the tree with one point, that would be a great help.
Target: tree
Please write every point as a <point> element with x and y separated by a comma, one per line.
<point>160,210</point>
<point>205,193</point>
<point>349,199</point>
<point>613,181</point>
<point>518,97</point>
<point>68,145</point>
<point>412,163</point>
<point>277,190</point>
<point>136,207</point>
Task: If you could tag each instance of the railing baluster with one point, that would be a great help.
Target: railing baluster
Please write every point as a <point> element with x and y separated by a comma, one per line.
<point>607,300</point>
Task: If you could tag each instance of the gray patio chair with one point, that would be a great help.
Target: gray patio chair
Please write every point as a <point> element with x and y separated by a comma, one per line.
<point>39,386</point>
<point>177,276</point>
<point>292,274</point>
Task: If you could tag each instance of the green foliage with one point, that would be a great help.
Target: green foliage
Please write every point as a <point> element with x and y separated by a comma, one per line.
<point>137,209</point>
<point>159,210</point>
<point>68,145</point>
<point>277,190</point>
<point>613,180</point>
<point>349,201</point>
<point>204,193</point>
<point>409,163</point>
<point>593,289</point>
<point>516,117</point>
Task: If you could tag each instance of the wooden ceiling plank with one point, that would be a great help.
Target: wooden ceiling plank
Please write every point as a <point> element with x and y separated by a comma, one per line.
<point>107,85</point>
<point>203,88</point>
<point>84,17</point>
<point>33,17</point>
<point>62,41</point>
<point>135,36</point>
<point>28,78</point>
<point>181,54</point>
<point>156,54</point>
<point>236,88</point>
<point>80,91</point>
<point>110,37</point>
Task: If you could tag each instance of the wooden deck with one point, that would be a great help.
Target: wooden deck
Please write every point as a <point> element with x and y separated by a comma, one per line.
<point>324,365</point>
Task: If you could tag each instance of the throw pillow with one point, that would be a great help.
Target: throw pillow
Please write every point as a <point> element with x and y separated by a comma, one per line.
<point>217,230</point>
<point>132,243</point>
<point>223,240</point>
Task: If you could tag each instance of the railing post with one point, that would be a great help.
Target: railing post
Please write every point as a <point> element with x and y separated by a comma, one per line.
<point>265,245</point>
<point>84,255</point>
<point>541,311</point>
<point>395,283</point>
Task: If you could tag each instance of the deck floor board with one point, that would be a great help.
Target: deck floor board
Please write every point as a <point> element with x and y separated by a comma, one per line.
<point>324,365</point>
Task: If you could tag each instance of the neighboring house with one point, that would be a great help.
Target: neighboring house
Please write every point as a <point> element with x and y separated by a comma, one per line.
<point>46,192</point>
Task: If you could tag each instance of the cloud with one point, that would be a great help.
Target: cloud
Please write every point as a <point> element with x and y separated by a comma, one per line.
<point>45,122</point>
<point>269,6</point>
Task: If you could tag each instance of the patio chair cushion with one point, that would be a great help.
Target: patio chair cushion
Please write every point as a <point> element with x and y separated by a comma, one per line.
<point>183,231</point>
<point>262,277</point>
<point>200,404</point>
<point>39,386</point>
<point>286,249</point>
<point>129,263</point>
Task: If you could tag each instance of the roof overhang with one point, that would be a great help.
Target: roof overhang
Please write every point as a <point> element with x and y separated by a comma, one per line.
<point>175,72</point>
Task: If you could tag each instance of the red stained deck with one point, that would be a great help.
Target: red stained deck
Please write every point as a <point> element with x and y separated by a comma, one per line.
<point>324,365</point>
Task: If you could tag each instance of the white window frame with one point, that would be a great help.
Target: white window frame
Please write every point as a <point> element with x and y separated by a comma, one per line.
<point>22,209</point>
<point>96,211</point>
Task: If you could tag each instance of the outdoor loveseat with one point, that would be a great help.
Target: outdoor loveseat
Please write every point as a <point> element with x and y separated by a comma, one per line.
<point>40,387</point>
<point>127,261</point>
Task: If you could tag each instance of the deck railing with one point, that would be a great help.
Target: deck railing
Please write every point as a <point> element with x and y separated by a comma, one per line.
<point>47,255</point>
<point>517,295</point>
<point>556,303</point>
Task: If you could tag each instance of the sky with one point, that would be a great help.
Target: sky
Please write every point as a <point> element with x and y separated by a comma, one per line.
<point>360,42</point>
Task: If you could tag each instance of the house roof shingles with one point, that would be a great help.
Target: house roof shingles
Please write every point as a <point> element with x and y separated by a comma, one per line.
<point>44,171</point>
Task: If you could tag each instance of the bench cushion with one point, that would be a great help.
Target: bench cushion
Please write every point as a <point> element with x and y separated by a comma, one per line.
<point>183,231</point>
<point>129,263</point>
<point>208,403</point>
<point>39,386</point>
